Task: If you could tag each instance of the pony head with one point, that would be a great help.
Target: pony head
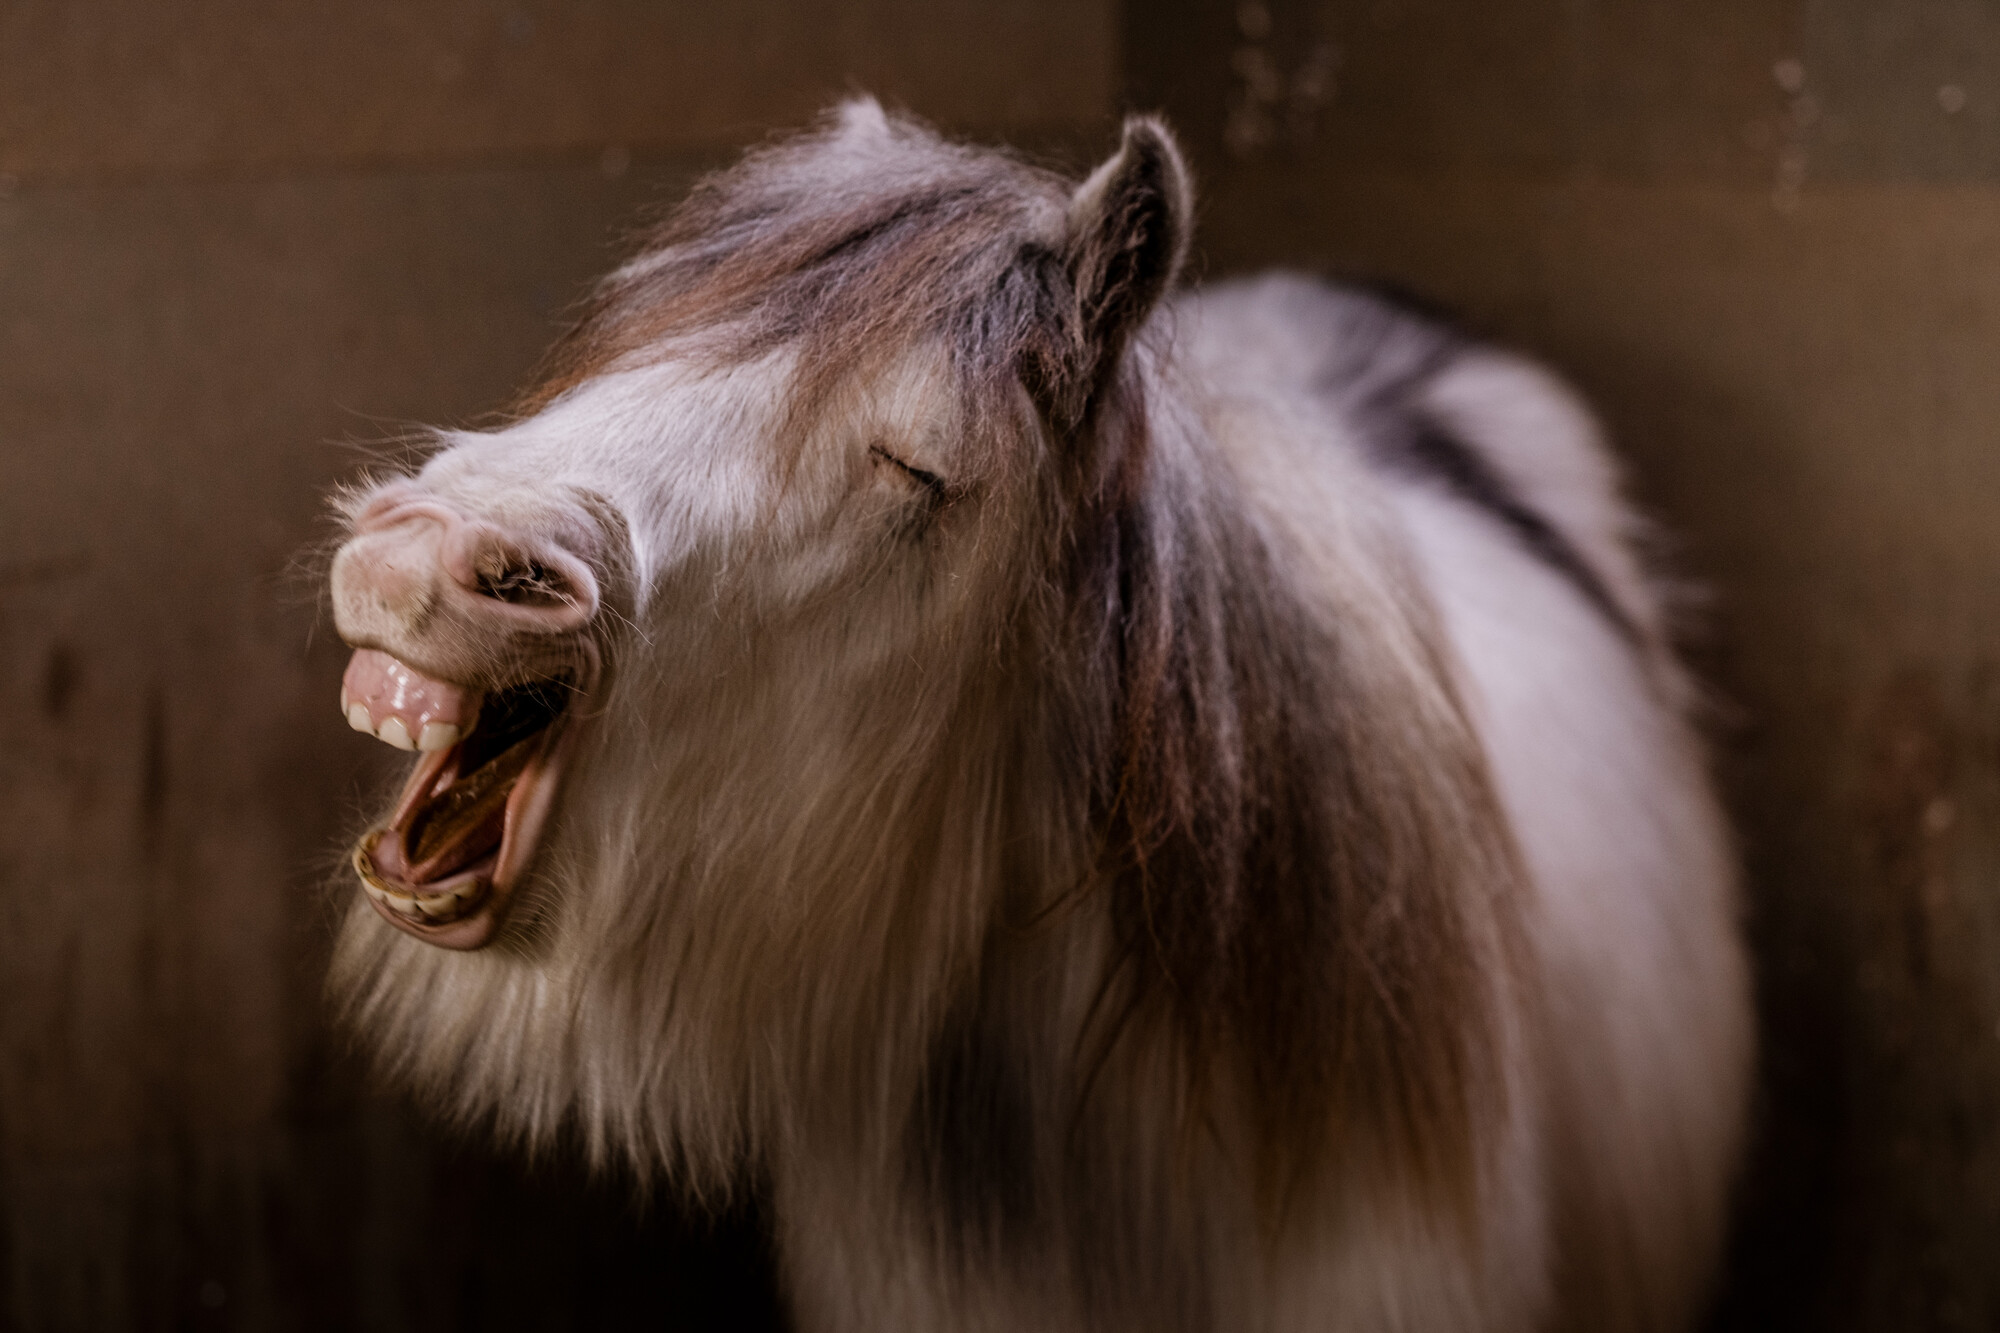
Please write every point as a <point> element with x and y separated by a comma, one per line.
<point>735,660</point>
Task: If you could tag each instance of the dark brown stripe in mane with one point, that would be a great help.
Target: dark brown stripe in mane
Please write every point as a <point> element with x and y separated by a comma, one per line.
<point>1389,349</point>
<point>1463,471</point>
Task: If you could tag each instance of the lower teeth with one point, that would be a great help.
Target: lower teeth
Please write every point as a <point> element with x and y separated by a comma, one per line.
<point>435,908</point>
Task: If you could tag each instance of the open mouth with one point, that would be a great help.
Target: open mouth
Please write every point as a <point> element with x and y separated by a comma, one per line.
<point>465,829</point>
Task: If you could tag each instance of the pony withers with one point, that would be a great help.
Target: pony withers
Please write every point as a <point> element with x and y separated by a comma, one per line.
<point>1123,808</point>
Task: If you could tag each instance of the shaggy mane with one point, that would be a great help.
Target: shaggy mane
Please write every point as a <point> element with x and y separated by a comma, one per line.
<point>1312,902</point>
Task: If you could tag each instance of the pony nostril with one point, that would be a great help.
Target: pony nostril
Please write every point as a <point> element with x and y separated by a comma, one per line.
<point>518,580</point>
<point>551,587</point>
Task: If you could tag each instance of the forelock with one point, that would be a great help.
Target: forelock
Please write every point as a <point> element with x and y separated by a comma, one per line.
<point>847,243</point>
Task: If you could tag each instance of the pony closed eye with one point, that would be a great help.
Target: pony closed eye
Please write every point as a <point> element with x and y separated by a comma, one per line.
<point>931,483</point>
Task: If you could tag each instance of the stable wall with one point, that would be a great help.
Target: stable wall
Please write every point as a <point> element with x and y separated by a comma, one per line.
<point>1764,237</point>
<point>243,249</point>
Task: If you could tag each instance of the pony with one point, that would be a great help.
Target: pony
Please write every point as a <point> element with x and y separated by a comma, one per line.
<point>1119,807</point>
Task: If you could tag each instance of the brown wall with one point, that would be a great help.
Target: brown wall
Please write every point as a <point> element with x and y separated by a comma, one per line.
<point>241,247</point>
<point>1764,235</point>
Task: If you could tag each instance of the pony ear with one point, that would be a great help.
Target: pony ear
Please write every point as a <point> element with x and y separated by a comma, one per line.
<point>1126,237</point>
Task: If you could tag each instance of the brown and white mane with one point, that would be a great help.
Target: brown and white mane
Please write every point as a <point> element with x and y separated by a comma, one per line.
<point>1128,810</point>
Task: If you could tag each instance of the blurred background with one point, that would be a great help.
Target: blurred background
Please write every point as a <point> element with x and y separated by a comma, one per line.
<point>242,245</point>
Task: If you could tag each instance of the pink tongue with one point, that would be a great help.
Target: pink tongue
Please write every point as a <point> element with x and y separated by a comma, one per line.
<point>388,688</point>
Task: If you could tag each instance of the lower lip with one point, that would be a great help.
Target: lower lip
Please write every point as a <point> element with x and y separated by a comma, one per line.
<point>474,928</point>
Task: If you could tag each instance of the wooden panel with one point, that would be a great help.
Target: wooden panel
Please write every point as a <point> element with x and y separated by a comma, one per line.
<point>1763,238</point>
<point>183,370</point>
<point>243,247</point>
<point>1773,92</point>
<point>233,85</point>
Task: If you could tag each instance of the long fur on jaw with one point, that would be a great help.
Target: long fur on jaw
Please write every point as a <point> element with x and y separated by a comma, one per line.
<point>1082,890</point>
